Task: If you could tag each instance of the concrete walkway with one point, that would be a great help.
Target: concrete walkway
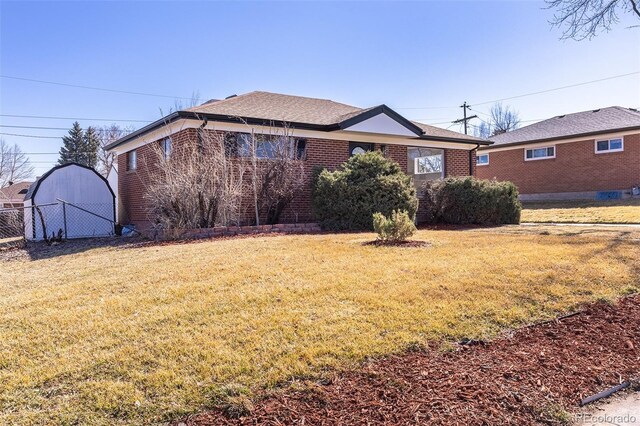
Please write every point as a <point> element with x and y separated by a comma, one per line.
<point>589,225</point>
<point>622,409</point>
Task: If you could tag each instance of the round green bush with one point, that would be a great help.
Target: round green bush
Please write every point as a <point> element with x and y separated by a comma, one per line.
<point>466,200</point>
<point>346,199</point>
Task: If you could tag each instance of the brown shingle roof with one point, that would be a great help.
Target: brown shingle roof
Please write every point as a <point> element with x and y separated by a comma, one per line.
<point>12,192</point>
<point>444,133</point>
<point>277,107</point>
<point>319,114</point>
<point>576,124</point>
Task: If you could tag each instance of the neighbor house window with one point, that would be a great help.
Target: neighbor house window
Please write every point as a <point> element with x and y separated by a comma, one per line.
<point>610,145</point>
<point>482,159</point>
<point>166,148</point>
<point>425,163</point>
<point>132,160</point>
<point>266,146</point>
<point>540,153</point>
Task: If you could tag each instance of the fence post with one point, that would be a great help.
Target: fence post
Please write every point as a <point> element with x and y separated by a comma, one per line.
<point>64,218</point>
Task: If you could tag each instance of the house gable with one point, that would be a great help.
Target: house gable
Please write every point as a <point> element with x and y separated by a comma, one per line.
<point>381,120</point>
<point>380,123</point>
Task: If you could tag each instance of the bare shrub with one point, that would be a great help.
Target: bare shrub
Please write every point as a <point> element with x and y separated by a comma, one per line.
<point>194,184</point>
<point>276,169</point>
<point>282,176</point>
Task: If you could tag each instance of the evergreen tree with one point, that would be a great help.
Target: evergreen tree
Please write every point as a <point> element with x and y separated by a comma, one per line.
<point>91,143</point>
<point>73,146</point>
<point>80,146</point>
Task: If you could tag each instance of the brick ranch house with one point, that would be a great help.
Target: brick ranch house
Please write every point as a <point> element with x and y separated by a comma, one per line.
<point>585,155</point>
<point>328,132</point>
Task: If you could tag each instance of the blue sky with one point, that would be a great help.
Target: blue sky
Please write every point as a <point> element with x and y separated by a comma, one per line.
<point>407,55</point>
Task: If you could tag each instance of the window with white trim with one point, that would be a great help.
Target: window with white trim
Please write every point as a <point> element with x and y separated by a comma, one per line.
<point>482,159</point>
<point>540,153</point>
<point>166,148</point>
<point>609,145</point>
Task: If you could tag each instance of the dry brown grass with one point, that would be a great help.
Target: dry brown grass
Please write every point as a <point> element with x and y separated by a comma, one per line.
<point>617,211</point>
<point>131,335</point>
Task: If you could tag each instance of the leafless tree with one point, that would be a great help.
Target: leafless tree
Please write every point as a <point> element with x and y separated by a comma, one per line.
<point>502,119</point>
<point>14,164</point>
<point>196,186</point>
<point>582,19</point>
<point>179,105</point>
<point>107,135</point>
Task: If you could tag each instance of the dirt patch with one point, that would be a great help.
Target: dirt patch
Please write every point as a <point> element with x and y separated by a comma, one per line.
<point>535,375</point>
<point>407,244</point>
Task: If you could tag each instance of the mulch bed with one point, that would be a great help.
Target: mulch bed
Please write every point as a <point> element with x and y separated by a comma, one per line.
<point>527,377</point>
<point>407,243</point>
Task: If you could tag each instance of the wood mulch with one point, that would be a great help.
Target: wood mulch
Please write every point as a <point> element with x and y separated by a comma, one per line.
<point>530,376</point>
<point>405,244</point>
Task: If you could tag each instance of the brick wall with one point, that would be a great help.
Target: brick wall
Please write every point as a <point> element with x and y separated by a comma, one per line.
<point>320,152</point>
<point>576,168</point>
<point>456,162</point>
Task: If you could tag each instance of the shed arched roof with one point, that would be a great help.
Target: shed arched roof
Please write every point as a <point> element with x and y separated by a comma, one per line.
<point>33,189</point>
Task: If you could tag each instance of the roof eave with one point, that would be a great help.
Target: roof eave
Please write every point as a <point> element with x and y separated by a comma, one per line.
<point>456,140</point>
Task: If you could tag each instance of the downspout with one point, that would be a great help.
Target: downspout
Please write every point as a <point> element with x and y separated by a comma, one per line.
<point>471,159</point>
<point>200,129</point>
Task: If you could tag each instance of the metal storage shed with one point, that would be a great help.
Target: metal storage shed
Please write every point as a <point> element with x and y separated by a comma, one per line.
<point>72,200</point>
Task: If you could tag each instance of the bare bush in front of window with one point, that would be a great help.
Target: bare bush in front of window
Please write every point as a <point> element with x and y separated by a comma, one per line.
<point>196,186</point>
<point>282,176</point>
<point>277,172</point>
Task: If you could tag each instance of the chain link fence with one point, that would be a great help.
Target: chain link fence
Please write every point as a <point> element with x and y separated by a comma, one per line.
<point>55,221</point>
<point>11,226</point>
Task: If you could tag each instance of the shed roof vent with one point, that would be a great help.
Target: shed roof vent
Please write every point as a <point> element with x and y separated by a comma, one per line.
<point>232,96</point>
<point>595,110</point>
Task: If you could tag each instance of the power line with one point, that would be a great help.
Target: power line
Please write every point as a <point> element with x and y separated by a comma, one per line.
<point>92,87</point>
<point>30,136</point>
<point>73,118</point>
<point>537,92</point>
<point>55,128</point>
<point>558,88</point>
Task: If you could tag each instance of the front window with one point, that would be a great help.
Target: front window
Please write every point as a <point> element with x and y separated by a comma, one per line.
<point>425,163</point>
<point>540,153</point>
<point>482,159</point>
<point>610,145</point>
<point>132,160</point>
<point>265,146</point>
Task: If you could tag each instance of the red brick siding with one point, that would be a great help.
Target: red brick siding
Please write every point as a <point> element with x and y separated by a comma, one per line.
<point>456,162</point>
<point>576,168</point>
<point>320,152</point>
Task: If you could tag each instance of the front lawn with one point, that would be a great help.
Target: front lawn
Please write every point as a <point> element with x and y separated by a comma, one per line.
<point>138,334</point>
<point>615,211</point>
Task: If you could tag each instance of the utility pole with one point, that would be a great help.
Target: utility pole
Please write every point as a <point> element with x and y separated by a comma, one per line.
<point>464,120</point>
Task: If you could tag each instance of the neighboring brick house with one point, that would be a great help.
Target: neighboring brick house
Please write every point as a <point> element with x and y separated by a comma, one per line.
<point>585,155</point>
<point>327,131</point>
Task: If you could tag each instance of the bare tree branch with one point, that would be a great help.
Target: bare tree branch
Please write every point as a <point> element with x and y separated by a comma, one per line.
<point>14,164</point>
<point>583,19</point>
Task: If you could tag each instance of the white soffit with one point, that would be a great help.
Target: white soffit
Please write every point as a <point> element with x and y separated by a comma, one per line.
<point>381,123</point>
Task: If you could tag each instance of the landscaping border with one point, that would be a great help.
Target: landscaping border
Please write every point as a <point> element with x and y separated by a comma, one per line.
<point>229,231</point>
